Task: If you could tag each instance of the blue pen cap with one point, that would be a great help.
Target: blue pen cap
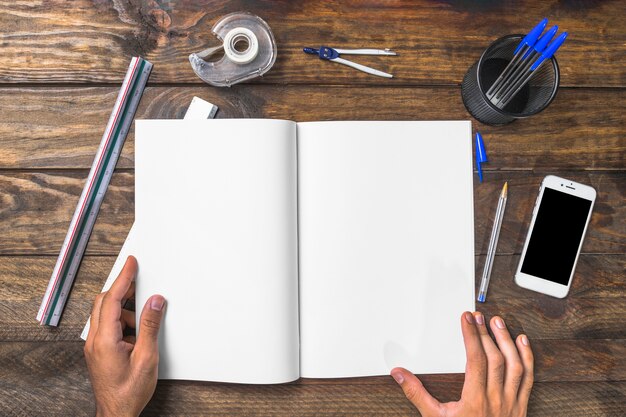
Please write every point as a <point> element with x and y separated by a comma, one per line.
<point>481,154</point>
<point>532,36</point>
<point>550,50</point>
<point>545,39</point>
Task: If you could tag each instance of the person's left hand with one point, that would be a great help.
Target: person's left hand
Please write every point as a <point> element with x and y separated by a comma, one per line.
<point>123,370</point>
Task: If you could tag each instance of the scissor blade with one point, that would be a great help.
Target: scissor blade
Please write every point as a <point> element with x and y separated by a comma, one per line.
<point>361,67</point>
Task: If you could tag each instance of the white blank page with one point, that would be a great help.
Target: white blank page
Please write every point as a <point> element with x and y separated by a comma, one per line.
<point>386,241</point>
<point>216,235</point>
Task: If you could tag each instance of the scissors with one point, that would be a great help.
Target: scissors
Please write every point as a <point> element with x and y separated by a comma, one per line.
<point>332,55</point>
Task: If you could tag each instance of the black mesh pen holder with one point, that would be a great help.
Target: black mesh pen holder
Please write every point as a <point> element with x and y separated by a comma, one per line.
<point>535,96</point>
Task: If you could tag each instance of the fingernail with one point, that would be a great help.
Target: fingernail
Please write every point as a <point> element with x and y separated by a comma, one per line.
<point>469,317</point>
<point>398,377</point>
<point>157,302</point>
<point>480,319</point>
<point>525,341</point>
<point>500,323</point>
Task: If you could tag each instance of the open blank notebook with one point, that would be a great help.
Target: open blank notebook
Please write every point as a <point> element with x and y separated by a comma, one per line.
<point>287,250</point>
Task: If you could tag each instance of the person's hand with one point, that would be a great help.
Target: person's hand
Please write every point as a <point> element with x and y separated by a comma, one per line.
<point>123,371</point>
<point>498,379</point>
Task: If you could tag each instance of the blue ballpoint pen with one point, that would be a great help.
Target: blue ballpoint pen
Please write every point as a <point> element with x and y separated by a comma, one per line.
<point>524,46</point>
<point>529,58</point>
<point>545,55</point>
<point>493,243</point>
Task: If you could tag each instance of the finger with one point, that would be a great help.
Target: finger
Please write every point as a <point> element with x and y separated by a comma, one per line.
<point>476,367</point>
<point>128,319</point>
<point>513,368</point>
<point>111,309</point>
<point>147,347</point>
<point>526,354</point>
<point>495,360</point>
<point>120,288</point>
<point>415,392</point>
<point>130,339</point>
<point>130,292</point>
<point>94,318</point>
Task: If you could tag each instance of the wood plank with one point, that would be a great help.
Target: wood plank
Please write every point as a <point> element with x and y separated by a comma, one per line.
<point>540,319</point>
<point>53,376</point>
<point>61,127</point>
<point>596,276</point>
<point>548,399</point>
<point>607,229</point>
<point>555,361</point>
<point>188,398</point>
<point>598,288</point>
<point>23,281</point>
<point>37,208</point>
<point>83,41</point>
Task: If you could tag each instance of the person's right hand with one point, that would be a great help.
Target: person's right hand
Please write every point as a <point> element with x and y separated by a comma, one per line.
<point>498,379</point>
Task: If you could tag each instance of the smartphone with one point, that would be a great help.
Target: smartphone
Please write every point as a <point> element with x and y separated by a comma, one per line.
<point>560,218</point>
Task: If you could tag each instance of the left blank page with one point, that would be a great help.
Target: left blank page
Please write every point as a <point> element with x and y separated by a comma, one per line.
<point>216,235</point>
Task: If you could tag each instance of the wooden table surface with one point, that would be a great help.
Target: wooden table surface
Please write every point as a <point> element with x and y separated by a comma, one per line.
<point>62,64</point>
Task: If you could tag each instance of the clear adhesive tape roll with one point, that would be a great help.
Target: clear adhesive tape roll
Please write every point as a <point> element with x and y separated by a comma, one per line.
<point>249,51</point>
<point>240,38</point>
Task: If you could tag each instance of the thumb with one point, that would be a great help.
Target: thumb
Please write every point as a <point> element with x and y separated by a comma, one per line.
<point>147,346</point>
<point>415,392</point>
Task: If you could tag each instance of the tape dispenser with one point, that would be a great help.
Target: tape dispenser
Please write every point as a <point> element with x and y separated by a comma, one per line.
<point>249,51</point>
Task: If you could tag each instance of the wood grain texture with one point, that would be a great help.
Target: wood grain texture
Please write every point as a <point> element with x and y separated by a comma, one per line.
<point>63,63</point>
<point>577,319</point>
<point>37,207</point>
<point>597,289</point>
<point>596,277</point>
<point>554,399</point>
<point>28,384</point>
<point>60,128</point>
<point>83,41</point>
<point>548,399</point>
<point>555,361</point>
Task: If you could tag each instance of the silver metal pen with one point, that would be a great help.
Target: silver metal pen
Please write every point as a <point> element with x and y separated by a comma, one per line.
<point>493,243</point>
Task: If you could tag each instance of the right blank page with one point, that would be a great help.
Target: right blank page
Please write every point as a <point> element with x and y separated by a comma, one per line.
<point>386,246</point>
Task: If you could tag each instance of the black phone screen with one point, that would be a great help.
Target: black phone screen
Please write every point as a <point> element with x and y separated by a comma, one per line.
<point>556,236</point>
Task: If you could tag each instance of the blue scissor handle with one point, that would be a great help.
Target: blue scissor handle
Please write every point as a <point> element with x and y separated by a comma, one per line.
<point>312,51</point>
<point>324,52</point>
